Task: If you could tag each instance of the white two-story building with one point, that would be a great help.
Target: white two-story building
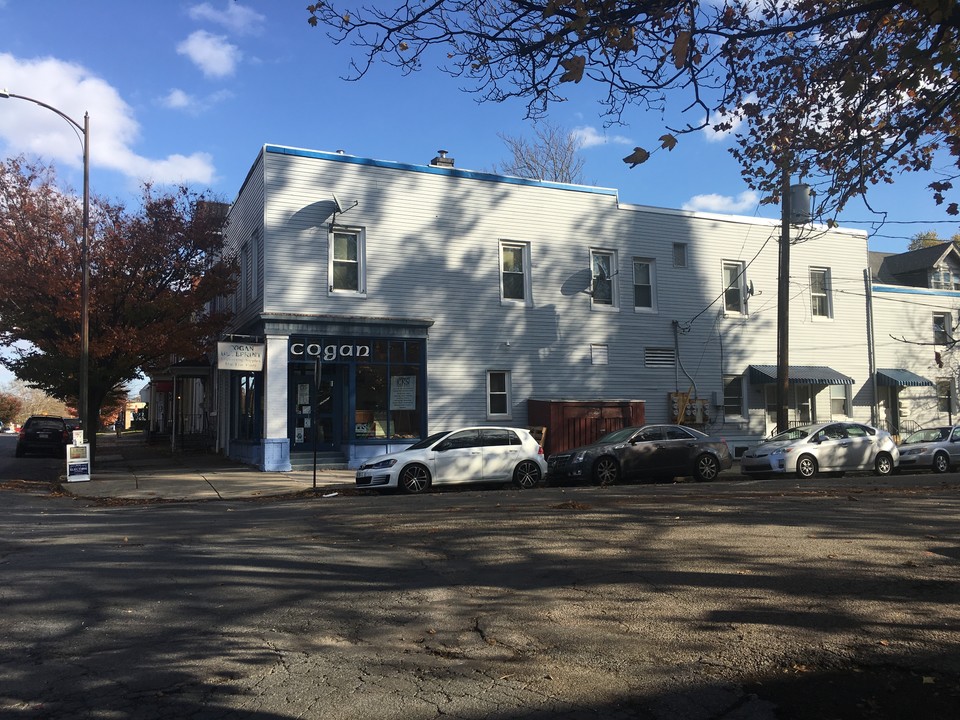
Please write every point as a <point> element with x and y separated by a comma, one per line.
<point>392,300</point>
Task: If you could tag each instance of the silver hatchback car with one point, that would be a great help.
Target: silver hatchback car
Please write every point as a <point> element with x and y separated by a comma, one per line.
<point>936,449</point>
<point>825,447</point>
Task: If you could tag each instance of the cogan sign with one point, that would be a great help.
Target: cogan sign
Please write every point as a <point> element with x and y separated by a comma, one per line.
<point>327,350</point>
<point>247,357</point>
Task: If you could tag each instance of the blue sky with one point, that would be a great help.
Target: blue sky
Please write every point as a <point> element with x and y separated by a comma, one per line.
<point>189,91</point>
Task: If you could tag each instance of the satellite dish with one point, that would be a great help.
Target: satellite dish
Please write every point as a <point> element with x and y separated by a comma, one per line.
<point>336,202</point>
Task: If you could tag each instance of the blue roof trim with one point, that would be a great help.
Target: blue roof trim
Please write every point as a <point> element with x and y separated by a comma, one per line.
<point>431,170</point>
<point>907,290</point>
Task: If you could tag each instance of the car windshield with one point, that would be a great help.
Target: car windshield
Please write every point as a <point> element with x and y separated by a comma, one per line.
<point>928,435</point>
<point>428,441</point>
<point>797,433</point>
<point>616,436</point>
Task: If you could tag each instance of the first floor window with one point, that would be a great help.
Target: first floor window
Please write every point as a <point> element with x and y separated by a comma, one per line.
<point>644,273</point>
<point>498,394</point>
<point>944,395</point>
<point>346,261</point>
<point>839,405</point>
<point>732,395</point>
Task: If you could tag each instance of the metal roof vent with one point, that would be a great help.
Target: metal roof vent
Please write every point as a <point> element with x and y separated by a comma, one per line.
<point>441,160</point>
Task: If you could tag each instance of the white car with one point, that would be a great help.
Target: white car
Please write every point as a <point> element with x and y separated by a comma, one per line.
<point>826,447</point>
<point>467,455</point>
<point>936,449</point>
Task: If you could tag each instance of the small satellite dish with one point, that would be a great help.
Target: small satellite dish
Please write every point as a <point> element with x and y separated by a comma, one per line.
<point>336,202</point>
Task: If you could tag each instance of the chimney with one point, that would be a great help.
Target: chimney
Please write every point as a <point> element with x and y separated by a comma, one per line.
<point>441,160</point>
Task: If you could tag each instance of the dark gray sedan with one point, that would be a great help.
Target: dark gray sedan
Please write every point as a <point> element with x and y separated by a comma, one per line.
<point>655,452</point>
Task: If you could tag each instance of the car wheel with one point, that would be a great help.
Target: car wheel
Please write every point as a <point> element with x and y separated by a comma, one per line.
<point>707,468</point>
<point>414,479</point>
<point>606,471</point>
<point>527,475</point>
<point>941,462</point>
<point>806,466</point>
<point>883,464</point>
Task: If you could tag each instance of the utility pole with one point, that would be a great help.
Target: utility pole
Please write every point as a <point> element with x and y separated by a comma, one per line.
<point>783,302</point>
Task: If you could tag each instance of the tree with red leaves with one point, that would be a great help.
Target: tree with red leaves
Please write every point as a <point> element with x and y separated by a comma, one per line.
<point>154,276</point>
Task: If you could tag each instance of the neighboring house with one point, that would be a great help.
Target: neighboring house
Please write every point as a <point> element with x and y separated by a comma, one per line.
<point>916,308</point>
<point>392,300</point>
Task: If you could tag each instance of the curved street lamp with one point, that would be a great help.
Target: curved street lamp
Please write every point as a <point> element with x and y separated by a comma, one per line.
<point>84,261</point>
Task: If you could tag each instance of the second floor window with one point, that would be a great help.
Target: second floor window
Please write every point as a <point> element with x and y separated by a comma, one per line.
<point>943,277</point>
<point>346,261</point>
<point>644,290</point>
<point>603,265</point>
<point>941,328</point>
<point>820,292</point>
<point>734,287</point>
<point>514,271</point>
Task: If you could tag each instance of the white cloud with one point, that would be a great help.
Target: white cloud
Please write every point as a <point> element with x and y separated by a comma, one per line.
<point>747,200</point>
<point>211,53</point>
<point>177,99</point>
<point>114,131</point>
<point>734,117</point>
<point>238,19</point>
<point>591,137</point>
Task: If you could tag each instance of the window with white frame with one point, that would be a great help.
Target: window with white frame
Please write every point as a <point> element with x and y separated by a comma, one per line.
<point>498,394</point>
<point>945,395</point>
<point>944,277</point>
<point>839,401</point>
<point>942,328</point>
<point>821,301</point>
<point>515,271</point>
<point>603,264</point>
<point>732,395</point>
<point>644,284</point>
<point>346,266</point>
<point>734,287</point>
<point>680,255</point>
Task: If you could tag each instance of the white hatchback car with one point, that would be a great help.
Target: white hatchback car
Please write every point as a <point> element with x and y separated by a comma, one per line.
<point>467,455</point>
<point>827,447</point>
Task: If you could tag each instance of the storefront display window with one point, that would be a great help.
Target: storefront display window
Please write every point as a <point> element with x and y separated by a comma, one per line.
<point>388,392</point>
<point>247,420</point>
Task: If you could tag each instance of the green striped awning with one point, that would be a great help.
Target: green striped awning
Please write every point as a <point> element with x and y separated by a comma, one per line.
<point>800,375</point>
<point>890,377</point>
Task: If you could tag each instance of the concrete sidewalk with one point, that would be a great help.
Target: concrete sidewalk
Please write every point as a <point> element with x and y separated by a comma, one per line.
<point>130,468</point>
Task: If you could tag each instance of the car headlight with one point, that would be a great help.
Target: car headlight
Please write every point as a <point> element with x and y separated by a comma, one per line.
<point>578,457</point>
<point>383,464</point>
<point>781,451</point>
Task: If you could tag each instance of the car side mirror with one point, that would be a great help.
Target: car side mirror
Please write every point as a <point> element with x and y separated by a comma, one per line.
<point>442,447</point>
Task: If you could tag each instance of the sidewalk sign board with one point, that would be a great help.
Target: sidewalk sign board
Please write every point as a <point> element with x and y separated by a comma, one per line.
<point>78,459</point>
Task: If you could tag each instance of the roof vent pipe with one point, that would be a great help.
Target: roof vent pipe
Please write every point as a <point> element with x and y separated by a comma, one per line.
<point>441,160</point>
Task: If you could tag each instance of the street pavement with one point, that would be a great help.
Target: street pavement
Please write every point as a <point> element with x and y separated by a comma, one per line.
<point>130,468</point>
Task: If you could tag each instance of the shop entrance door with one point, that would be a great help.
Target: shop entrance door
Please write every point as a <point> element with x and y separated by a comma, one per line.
<point>315,409</point>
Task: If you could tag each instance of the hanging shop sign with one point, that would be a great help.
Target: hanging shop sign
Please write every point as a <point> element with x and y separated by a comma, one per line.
<point>247,357</point>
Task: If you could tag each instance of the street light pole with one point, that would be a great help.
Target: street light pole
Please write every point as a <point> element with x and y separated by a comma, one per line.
<point>84,394</point>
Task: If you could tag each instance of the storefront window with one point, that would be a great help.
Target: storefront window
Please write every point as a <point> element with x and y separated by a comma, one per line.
<point>389,391</point>
<point>247,421</point>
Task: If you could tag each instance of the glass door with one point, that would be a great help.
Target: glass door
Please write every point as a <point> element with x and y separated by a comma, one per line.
<point>314,409</point>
